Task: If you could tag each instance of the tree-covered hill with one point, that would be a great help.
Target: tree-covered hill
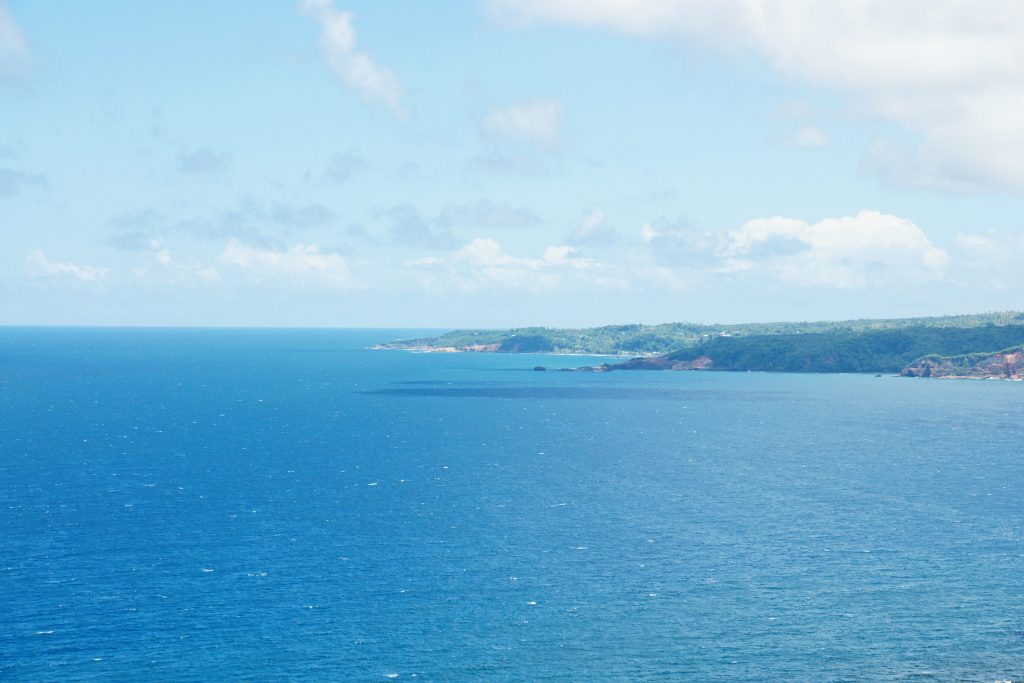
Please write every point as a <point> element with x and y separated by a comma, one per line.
<point>850,350</point>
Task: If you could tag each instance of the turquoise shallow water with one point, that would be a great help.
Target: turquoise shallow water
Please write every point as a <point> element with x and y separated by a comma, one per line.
<point>287,505</point>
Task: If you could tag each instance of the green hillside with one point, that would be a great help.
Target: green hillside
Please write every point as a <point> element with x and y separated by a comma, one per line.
<point>851,350</point>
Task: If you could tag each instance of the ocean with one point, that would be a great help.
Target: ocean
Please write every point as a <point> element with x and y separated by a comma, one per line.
<point>182,504</point>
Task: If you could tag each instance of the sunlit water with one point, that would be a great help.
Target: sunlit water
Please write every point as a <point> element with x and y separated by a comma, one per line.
<point>271,505</point>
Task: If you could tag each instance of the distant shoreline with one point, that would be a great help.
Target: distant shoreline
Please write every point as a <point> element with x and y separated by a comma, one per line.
<point>450,349</point>
<point>984,346</point>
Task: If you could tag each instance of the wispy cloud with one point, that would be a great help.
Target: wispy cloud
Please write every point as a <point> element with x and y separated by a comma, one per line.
<point>538,121</point>
<point>40,266</point>
<point>409,228</point>
<point>169,270</point>
<point>132,240</point>
<point>808,137</point>
<point>356,69</point>
<point>507,165</point>
<point>678,242</point>
<point>301,264</point>
<point>591,229</point>
<point>486,214</point>
<point>301,216</point>
<point>993,256</point>
<point>204,161</point>
<point>482,263</point>
<point>13,181</point>
<point>14,53</point>
<point>345,166</point>
<point>250,221</point>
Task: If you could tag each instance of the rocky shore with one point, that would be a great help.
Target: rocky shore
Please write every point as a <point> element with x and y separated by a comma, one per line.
<point>1008,364</point>
<point>650,363</point>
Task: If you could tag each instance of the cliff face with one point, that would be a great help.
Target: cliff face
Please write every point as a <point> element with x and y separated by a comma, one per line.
<point>1008,364</point>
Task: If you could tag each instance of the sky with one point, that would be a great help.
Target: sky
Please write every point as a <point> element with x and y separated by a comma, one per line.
<point>508,162</point>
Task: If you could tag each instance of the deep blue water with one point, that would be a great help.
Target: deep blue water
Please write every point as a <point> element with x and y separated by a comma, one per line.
<point>287,505</point>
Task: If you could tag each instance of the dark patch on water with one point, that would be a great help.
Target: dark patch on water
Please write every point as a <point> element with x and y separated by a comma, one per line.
<point>454,390</point>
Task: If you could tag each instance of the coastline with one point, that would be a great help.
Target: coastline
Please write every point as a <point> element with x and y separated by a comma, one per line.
<point>452,349</point>
<point>917,350</point>
<point>650,362</point>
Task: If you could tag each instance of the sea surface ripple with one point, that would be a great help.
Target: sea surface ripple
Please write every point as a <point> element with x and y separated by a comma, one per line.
<point>289,505</point>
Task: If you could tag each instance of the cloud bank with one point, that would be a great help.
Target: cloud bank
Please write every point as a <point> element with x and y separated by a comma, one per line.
<point>846,252</point>
<point>849,252</point>
<point>951,73</point>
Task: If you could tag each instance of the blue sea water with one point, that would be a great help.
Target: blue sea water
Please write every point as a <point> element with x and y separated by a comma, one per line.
<point>289,505</point>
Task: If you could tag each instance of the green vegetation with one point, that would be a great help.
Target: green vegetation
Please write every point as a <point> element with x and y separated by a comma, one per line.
<point>847,346</point>
<point>782,338</point>
<point>1005,364</point>
<point>885,350</point>
<point>526,343</point>
<point>968,360</point>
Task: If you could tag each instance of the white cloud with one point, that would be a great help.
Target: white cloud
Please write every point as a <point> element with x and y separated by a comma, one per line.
<point>648,234</point>
<point>303,263</point>
<point>977,148</point>
<point>487,253</point>
<point>678,242</point>
<point>483,263</point>
<point>950,72</point>
<point>537,121</point>
<point>424,261</point>
<point>592,221</point>
<point>592,230</point>
<point>173,271</point>
<point>40,266</point>
<point>809,137</point>
<point>986,244</point>
<point>14,54</point>
<point>794,110</point>
<point>356,68</point>
<point>995,256</point>
<point>851,251</point>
